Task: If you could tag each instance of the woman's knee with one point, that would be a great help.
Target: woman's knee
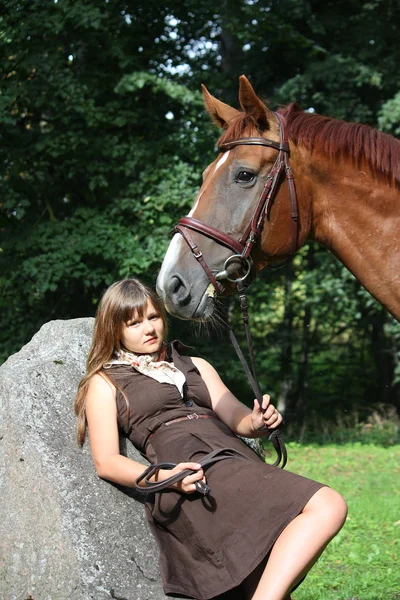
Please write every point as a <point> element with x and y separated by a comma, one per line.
<point>330,507</point>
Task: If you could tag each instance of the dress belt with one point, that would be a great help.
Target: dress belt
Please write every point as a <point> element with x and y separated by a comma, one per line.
<point>188,417</point>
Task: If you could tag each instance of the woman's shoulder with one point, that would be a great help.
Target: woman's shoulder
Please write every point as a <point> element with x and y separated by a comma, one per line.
<point>204,367</point>
<point>100,383</point>
<point>200,363</point>
<point>100,397</point>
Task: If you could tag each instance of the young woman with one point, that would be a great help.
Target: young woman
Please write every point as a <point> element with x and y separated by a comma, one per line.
<point>260,529</point>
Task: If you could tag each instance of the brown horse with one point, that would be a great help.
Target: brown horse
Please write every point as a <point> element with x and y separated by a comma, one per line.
<point>347,180</point>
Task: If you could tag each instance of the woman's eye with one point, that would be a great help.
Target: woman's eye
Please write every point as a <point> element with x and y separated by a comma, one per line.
<point>244,176</point>
<point>153,317</point>
<point>133,324</point>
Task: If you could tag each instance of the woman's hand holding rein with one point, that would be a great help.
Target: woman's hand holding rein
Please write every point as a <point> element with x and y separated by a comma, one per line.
<point>269,419</point>
<point>187,485</point>
<point>238,417</point>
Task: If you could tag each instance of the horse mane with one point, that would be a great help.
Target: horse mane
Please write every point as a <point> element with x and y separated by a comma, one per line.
<point>362,145</point>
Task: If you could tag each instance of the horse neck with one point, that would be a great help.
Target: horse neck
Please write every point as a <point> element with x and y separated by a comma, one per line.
<point>358,219</point>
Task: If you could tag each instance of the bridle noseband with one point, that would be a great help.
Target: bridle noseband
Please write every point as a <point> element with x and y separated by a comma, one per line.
<point>243,247</point>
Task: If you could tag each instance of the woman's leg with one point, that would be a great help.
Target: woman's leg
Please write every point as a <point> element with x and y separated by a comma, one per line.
<point>299,546</point>
<point>250,584</point>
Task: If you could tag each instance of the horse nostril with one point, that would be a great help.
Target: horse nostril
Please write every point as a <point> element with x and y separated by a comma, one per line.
<point>176,283</point>
<point>179,290</point>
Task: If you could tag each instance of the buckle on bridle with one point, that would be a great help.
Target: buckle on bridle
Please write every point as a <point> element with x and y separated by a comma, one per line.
<point>193,416</point>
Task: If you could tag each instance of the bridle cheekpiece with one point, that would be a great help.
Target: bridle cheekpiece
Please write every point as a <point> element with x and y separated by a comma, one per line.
<point>243,247</point>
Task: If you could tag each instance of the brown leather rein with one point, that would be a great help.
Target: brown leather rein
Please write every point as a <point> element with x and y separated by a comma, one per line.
<point>244,246</point>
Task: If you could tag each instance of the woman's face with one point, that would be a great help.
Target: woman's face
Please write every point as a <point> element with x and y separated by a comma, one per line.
<point>144,335</point>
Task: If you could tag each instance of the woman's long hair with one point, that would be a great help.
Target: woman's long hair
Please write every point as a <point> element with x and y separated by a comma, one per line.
<point>120,302</point>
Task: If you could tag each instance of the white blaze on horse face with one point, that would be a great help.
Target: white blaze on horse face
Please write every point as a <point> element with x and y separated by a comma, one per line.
<point>221,161</point>
<point>195,205</point>
<point>170,259</point>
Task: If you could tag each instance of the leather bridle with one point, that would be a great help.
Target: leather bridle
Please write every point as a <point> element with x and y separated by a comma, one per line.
<point>243,247</point>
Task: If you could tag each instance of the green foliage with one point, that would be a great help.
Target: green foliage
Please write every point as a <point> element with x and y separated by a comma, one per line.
<point>381,427</point>
<point>90,163</point>
<point>343,369</point>
<point>361,560</point>
<point>389,117</point>
<point>137,81</point>
<point>104,138</point>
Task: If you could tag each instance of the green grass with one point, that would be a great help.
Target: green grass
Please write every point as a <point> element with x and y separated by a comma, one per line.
<point>363,561</point>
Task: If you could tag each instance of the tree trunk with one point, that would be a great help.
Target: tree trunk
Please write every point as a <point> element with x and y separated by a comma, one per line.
<point>298,399</point>
<point>286,359</point>
<point>384,360</point>
<point>231,53</point>
<point>302,382</point>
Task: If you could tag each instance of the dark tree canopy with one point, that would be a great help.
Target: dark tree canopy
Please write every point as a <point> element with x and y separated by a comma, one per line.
<point>103,141</point>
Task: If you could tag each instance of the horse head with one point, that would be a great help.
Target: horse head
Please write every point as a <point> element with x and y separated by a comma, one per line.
<point>230,232</point>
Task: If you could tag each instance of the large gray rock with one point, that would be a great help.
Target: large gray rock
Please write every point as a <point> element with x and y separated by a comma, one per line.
<point>64,533</point>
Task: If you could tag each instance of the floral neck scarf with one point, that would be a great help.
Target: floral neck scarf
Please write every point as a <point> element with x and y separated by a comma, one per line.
<point>147,364</point>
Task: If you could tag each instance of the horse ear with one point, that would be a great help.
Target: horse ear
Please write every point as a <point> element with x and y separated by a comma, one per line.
<point>253,106</point>
<point>220,113</point>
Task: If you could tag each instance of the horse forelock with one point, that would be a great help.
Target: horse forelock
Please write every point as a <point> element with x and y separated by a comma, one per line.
<point>360,144</point>
<point>240,126</point>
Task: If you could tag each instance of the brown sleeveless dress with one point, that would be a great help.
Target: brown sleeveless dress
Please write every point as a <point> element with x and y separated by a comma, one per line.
<point>208,545</point>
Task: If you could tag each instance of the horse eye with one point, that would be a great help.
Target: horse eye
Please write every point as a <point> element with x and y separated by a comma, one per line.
<point>244,176</point>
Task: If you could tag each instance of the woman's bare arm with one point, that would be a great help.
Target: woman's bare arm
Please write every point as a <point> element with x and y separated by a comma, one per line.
<point>238,417</point>
<point>101,414</point>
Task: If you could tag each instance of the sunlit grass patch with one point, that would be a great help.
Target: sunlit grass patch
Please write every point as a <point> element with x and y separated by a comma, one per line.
<point>363,561</point>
